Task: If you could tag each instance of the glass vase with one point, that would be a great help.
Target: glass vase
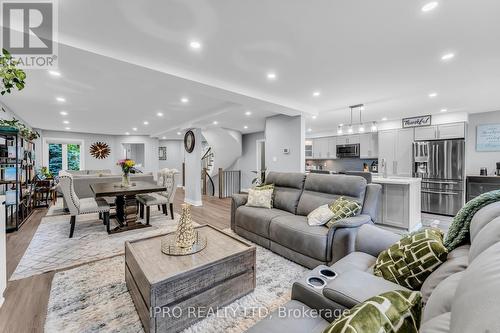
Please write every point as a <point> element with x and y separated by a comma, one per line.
<point>125,180</point>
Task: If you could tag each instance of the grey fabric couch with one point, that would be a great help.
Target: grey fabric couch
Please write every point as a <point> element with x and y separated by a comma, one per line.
<point>284,229</point>
<point>460,296</point>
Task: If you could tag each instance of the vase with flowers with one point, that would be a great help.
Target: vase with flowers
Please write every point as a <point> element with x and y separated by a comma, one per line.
<point>127,165</point>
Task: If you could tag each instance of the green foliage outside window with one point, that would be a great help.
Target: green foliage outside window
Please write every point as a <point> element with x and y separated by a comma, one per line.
<point>73,157</point>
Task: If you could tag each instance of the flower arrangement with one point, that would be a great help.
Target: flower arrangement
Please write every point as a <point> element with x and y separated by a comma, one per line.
<point>127,165</point>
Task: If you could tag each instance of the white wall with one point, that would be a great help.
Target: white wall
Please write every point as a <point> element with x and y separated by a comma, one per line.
<point>476,159</point>
<point>193,172</point>
<point>175,157</point>
<point>115,143</point>
<point>248,160</point>
<point>285,132</point>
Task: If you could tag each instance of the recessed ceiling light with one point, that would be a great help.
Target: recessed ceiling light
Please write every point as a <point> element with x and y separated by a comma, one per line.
<point>134,129</point>
<point>215,122</point>
<point>444,110</point>
<point>384,119</point>
<point>448,56</point>
<point>316,93</point>
<point>54,73</point>
<point>194,44</point>
<point>67,128</point>
<point>309,129</point>
<point>245,127</point>
<point>184,100</point>
<point>248,113</point>
<point>314,116</point>
<point>163,137</point>
<point>60,99</point>
<point>146,123</point>
<point>65,122</point>
<point>430,6</point>
<point>179,133</point>
<point>432,95</point>
<point>271,76</point>
<point>63,113</point>
<point>160,114</point>
<point>127,133</point>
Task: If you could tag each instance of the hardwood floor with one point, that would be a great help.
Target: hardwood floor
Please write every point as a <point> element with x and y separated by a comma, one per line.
<point>26,300</point>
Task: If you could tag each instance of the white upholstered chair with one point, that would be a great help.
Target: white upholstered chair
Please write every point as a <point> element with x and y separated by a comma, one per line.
<point>79,206</point>
<point>166,178</point>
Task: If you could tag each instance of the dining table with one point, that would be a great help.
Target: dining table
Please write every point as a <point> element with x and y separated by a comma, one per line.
<point>125,202</point>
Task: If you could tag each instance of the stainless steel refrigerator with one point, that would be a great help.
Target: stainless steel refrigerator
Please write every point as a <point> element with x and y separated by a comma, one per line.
<point>441,166</point>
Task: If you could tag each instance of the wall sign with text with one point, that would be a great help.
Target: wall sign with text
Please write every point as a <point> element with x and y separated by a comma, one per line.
<point>488,137</point>
<point>417,121</point>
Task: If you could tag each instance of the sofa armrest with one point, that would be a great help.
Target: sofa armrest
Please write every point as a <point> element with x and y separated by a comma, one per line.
<point>373,240</point>
<point>342,236</point>
<point>237,200</point>
<point>353,287</point>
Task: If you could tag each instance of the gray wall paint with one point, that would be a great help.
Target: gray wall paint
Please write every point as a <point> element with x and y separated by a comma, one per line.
<point>475,159</point>
<point>248,160</point>
<point>114,142</point>
<point>285,132</point>
<point>175,157</point>
<point>193,171</point>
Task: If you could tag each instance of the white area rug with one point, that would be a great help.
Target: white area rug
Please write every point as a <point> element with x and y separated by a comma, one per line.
<point>94,298</point>
<point>51,248</point>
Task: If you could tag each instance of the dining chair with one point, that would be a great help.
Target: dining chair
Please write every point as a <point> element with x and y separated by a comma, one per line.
<point>166,178</point>
<point>82,206</point>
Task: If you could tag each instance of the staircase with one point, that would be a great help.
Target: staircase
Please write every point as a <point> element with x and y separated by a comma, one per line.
<point>207,166</point>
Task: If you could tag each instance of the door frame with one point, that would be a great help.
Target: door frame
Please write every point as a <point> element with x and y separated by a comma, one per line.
<point>63,141</point>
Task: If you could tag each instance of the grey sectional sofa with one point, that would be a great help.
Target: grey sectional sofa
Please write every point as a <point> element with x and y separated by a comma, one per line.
<point>284,229</point>
<point>461,296</point>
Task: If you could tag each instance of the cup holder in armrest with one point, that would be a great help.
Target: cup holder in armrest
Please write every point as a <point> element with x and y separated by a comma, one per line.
<point>315,282</point>
<point>327,273</point>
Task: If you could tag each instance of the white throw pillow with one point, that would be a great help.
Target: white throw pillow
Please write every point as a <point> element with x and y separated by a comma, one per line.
<point>320,215</point>
<point>260,198</point>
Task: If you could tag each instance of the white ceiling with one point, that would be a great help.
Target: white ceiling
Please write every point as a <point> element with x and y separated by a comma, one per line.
<point>121,62</point>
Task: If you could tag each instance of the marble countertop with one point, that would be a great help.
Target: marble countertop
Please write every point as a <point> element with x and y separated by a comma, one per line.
<point>396,180</point>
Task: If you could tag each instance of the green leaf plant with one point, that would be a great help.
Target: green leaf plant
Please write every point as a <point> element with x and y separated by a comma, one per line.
<point>12,77</point>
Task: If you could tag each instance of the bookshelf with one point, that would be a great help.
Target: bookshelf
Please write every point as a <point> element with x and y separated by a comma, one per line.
<point>17,173</point>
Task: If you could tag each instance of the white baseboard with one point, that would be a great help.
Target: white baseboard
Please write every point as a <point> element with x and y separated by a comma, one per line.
<point>193,203</point>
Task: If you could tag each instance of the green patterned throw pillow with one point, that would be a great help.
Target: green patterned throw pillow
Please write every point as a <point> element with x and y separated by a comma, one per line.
<point>343,208</point>
<point>412,259</point>
<point>267,187</point>
<point>391,312</point>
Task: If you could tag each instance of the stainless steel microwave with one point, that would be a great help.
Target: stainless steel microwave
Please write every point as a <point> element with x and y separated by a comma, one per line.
<point>346,151</point>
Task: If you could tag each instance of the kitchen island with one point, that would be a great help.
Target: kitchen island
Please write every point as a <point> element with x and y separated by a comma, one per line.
<point>400,207</point>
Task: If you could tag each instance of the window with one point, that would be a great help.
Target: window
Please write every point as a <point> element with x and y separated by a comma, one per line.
<point>62,156</point>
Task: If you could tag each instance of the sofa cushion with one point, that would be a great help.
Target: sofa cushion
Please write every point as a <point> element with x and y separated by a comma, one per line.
<point>412,259</point>
<point>452,265</point>
<point>320,215</point>
<point>293,232</point>
<point>486,237</point>
<point>355,286</point>
<point>287,189</point>
<point>354,260</point>
<point>285,319</point>
<point>343,208</point>
<point>439,324</point>
<point>475,306</point>
<point>257,220</point>
<point>483,217</point>
<point>260,198</point>
<point>442,297</point>
<point>323,189</point>
<point>393,311</point>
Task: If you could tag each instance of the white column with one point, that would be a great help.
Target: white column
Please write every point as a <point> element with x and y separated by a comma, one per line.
<point>193,172</point>
<point>3,254</point>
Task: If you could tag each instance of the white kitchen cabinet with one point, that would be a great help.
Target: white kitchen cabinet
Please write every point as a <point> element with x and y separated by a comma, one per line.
<point>324,148</point>
<point>348,139</point>
<point>426,133</point>
<point>368,145</point>
<point>308,149</point>
<point>440,132</point>
<point>451,131</point>
<point>332,147</point>
<point>395,146</point>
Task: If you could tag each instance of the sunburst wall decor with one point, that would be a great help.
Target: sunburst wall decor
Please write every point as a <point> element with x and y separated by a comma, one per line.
<point>100,150</point>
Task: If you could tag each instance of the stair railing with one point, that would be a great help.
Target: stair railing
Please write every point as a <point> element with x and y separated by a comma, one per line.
<point>229,182</point>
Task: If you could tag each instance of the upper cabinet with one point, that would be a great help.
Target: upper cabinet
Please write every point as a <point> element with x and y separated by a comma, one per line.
<point>347,139</point>
<point>440,132</point>
<point>324,148</point>
<point>368,145</point>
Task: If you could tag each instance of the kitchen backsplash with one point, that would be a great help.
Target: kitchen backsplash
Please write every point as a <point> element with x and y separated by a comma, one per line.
<point>339,165</point>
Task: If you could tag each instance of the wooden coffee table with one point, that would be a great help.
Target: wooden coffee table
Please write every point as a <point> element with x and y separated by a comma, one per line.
<point>171,293</point>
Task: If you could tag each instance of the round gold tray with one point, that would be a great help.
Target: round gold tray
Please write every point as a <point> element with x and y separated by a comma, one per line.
<point>169,247</point>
